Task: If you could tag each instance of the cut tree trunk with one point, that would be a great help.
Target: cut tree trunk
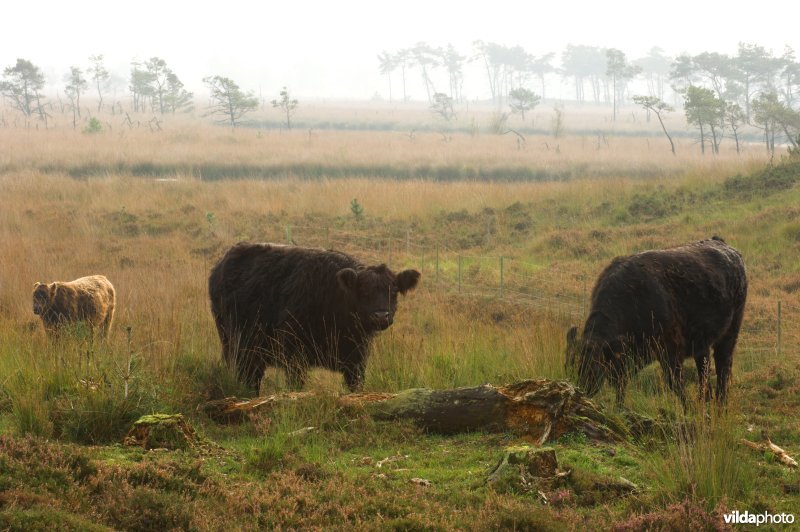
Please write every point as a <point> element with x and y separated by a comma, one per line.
<point>541,409</point>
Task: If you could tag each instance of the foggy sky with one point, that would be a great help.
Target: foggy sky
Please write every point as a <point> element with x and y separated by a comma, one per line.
<point>328,49</point>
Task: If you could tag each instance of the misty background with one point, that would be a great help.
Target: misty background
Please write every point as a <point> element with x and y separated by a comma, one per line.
<point>328,50</point>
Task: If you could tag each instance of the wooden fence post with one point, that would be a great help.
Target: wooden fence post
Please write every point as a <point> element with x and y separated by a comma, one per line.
<point>459,274</point>
<point>501,276</point>
<point>779,328</point>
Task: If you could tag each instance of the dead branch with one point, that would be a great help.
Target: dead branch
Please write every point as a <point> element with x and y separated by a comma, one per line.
<point>782,455</point>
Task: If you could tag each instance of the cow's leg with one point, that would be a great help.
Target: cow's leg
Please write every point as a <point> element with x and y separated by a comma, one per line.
<point>250,365</point>
<point>106,325</point>
<point>723,361</point>
<point>723,355</point>
<point>253,373</point>
<point>702,359</point>
<point>352,363</point>
<point>620,390</point>
<point>618,379</point>
<point>354,375</point>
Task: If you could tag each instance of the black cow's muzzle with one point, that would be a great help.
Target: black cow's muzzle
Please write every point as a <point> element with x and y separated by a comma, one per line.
<point>381,320</point>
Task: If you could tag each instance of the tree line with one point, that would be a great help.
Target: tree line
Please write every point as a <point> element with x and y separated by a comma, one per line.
<point>719,93</point>
<point>154,87</point>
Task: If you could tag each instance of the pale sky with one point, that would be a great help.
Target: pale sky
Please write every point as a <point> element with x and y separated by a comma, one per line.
<point>328,49</point>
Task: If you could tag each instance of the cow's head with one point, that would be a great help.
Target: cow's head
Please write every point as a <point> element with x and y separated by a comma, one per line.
<point>42,297</point>
<point>374,290</point>
<point>594,360</point>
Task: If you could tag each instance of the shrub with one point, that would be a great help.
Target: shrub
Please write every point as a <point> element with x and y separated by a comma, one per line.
<point>93,126</point>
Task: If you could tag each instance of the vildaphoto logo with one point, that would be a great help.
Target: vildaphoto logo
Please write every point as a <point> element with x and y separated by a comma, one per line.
<point>746,518</point>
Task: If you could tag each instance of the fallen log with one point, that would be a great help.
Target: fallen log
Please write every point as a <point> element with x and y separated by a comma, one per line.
<point>781,455</point>
<point>540,409</point>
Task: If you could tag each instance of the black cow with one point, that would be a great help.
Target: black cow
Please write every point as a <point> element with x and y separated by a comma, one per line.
<point>295,308</point>
<point>665,305</point>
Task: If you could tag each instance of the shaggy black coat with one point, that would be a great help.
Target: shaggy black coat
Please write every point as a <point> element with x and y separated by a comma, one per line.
<point>296,308</point>
<point>665,305</point>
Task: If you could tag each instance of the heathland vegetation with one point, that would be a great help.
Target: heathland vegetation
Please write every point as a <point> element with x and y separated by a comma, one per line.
<point>152,208</point>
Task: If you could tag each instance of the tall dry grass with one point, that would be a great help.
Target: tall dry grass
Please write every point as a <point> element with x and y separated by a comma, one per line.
<point>156,239</point>
<point>156,243</point>
<point>188,148</point>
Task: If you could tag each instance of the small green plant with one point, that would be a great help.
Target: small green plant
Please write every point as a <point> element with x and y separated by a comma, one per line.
<point>357,210</point>
<point>93,126</point>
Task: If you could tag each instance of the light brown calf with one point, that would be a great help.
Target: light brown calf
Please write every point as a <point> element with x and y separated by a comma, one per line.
<point>89,300</point>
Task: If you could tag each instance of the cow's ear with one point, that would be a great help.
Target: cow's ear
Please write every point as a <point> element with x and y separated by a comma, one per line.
<point>348,279</point>
<point>407,280</point>
<point>572,335</point>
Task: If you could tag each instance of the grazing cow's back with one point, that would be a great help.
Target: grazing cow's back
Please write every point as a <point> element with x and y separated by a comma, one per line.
<point>296,307</point>
<point>90,300</point>
<point>664,305</point>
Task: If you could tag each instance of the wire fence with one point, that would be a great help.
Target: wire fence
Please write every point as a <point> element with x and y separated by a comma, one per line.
<point>446,268</point>
<point>546,288</point>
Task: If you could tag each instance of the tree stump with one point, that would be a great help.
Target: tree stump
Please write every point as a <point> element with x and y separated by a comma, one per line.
<point>161,431</point>
<point>521,466</point>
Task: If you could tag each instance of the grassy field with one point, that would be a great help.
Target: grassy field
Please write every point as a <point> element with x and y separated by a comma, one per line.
<point>153,210</point>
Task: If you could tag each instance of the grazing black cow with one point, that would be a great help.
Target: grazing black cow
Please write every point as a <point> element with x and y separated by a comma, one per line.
<point>295,308</point>
<point>665,305</point>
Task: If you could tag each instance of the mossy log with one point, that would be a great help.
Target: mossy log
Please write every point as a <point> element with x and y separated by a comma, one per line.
<point>541,409</point>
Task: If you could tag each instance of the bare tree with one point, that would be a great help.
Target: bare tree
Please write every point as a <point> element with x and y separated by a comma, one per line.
<point>620,71</point>
<point>22,84</point>
<point>387,62</point>
<point>522,99</point>
<point>228,100</point>
<point>704,110</point>
<point>76,84</point>
<point>653,104</point>
<point>443,106</point>
<point>454,63</point>
<point>655,68</point>
<point>734,118</point>
<point>286,104</point>
<point>140,86</point>
<point>100,76</point>
<point>774,116</point>
<point>403,57</point>
<point>540,67</point>
<point>426,58</point>
<point>176,97</point>
<point>157,68</point>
